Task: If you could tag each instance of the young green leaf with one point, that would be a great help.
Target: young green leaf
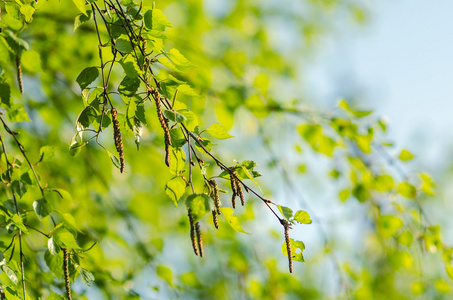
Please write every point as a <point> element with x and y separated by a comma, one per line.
<point>156,20</point>
<point>405,155</point>
<point>53,247</point>
<point>31,61</point>
<point>124,45</point>
<point>54,263</point>
<point>81,19</point>
<point>234,221</point>
<point>199,204</point>
<point>302,217</point>
<point>129,86</point>
<point>165,273</point>
<point>407,190</point>
<point>5,94</point>
<point>87,76</point>
<point>175,189</point>
<point>297,249</point>
<point>42,208</point>
<point>174,116</point>
<point>10,273</point>
<point>81,6</point>
<point>86,276</point>
<point>217,131</point>
<point>285,211</point>
<point>17,113</point>
<point>65,239</point>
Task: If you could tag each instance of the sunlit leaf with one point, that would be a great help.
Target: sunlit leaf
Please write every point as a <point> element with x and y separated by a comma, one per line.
<point>217,131</point>
<point>234,221</point>
<point>302,217</point>
<point>297,249</point>
<point>175,188</point>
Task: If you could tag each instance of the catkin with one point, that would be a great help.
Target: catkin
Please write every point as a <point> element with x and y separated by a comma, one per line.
<point>199,241</point>
<point>215,195</point>
<point>239,189</point>
<point>288,247</point>
<point>19,74</point>
<point>164,124</point>
<point>214,219</point>
<point>66,272</point>
<point>233,187</point>
<point>117,136</point>
<point>192,232</point>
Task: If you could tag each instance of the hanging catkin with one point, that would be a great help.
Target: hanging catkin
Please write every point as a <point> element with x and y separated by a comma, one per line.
<point>117,136</point>
<point>66,273</point>
<point>233,186</point>
<point>215,195</point>
<point>164,124</point>
<point>19,74</point>
<point>288,247</point>
<point>192,232</point>
<point>199,241</point>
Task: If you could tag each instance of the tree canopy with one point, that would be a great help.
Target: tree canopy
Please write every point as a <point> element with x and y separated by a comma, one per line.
<point>168,150</point>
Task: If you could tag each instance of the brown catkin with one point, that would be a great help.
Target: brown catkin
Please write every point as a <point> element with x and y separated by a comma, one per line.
<point>233,175</point>
<point>215,195</point>
<point>66,272</point>
<point>19,74</point>
<point>288,247</point>
<point>239,189</point>
<point>192,232</point>
<point>199,241</point>
<point>214,219</point>
<point>117,137</point>
<point>164,124</point>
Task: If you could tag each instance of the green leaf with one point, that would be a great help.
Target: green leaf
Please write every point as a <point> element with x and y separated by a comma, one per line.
<point>360,192</point>
<point>383,183</point>
<point>388,225</point>
<point>156,20</point>
<point>86,276</point>
<point>199,204</point>
<point>81,6</point>
<point>53,247</point>
<point>174,116</point>
<point>10,273</point>
<point>5,93</point>
<point>27,10</point>
<point>357,113</point>
<point>19,187</point>
<point>428,184</point>
<point>87,76</point>
<point>234,221</point>
<point>129,86</point>
<point>54,263</point>
<point>54,296</point>
<point>2,259</point>
<point>449,270</point>
<point>405,155</point>
<point>19,224</point>
<point>175,189</point>
<point>179,60</point>
<point>165,273</point>
<point>407,190</point>
<point>285,211</point>
<point>31,61</point>
<point>65,239</point>
<point>177,161</point>
<point>217,131</point>
<point>17,113</point>
<point>191,119</point>
<point>46,153</point>
<point>177,138</point>
<point>123,45</point>
<point>81,19</point>
<point>302,217</point>
<point>297,249</point>
<point>42,208</point>
<point>63,194</point>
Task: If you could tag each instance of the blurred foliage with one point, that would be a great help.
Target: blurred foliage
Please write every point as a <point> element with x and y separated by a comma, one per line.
<point>91,173</point>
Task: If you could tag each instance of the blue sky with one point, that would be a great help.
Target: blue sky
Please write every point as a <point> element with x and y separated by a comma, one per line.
<point>401,65</point>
